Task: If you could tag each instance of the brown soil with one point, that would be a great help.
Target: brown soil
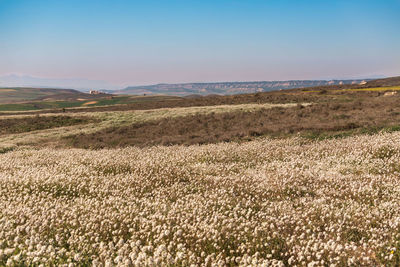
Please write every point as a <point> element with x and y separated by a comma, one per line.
<point>90,103</point>
<point>318,120</point>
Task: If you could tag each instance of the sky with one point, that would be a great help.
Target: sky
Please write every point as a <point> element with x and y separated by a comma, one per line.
<point>146,42</point>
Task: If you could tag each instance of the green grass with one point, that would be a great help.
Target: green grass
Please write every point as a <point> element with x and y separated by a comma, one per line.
<point>102,101</point>
<point>18,107</point>
<point>18,94</point>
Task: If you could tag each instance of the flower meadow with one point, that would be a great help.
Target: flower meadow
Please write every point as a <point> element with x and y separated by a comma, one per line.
<point>261,203</point>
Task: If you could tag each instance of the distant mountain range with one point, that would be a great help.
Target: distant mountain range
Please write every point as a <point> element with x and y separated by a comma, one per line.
<point>179,89</point>
<point>228,88</point>
<point>16,80</point>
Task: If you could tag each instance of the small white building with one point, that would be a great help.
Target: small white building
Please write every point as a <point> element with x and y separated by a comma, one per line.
<point>95,92</point>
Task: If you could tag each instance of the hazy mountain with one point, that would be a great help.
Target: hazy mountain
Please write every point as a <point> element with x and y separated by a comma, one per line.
<point>228,88</point>
<point>15,80</point>
<point>179,89</point>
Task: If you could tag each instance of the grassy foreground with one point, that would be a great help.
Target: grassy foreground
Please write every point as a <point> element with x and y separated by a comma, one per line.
<point>265,202</point>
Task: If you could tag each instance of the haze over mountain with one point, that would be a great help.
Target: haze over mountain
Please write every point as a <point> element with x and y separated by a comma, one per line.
<point>179,89</point>
<point>228,88</point>
<point>18,80</point>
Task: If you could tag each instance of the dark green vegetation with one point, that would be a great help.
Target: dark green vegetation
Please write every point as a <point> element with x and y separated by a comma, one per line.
<point>20,125</point>
<point>5,150</point>
<point>60,106</point>
<point>36,99</point>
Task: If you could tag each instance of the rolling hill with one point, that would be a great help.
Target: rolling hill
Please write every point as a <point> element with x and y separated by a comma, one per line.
<point>392,81</point>
<point>23,94</point>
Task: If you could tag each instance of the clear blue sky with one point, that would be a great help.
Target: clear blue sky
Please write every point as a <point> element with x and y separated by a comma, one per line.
<point>142,42</point>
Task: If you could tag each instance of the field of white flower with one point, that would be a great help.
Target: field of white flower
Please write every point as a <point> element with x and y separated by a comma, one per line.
<point>265,202</point>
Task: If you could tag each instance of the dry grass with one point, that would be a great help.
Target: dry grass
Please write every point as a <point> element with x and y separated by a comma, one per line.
<point>371,89</point>
<point>378,89</point>
<point>28,124</point>
<point>314,121</point>
<point>112,119</point>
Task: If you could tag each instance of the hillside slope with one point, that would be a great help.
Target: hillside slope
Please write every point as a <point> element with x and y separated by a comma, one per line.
<point>21,94</point>
<point>392,81</point>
